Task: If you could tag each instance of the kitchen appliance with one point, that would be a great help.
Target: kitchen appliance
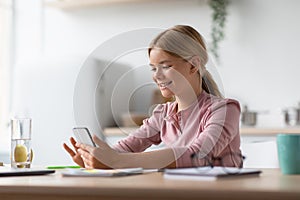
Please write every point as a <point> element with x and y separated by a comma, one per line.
<point>249,118</point>
<point>292,116</point>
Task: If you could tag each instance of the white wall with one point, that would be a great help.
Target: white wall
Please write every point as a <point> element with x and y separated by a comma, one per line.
<point>43,90</point>
<point>259,62</point>
<point>259,57</point>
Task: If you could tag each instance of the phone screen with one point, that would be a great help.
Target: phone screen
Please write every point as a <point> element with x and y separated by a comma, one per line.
<point>83,135</point>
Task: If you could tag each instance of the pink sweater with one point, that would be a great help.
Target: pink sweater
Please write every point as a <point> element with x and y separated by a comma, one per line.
<point>210,126</point>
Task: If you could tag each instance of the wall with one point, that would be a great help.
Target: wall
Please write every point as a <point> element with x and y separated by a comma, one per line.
<point>259,55</point>
<point>5,38</point>
<point>259,58</point>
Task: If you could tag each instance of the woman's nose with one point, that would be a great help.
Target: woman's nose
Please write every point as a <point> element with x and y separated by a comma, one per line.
<point>158,74</point>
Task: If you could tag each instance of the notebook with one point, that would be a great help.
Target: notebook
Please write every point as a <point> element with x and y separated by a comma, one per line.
<point>209,174</point>
<point>102,172</point>
<point>5,171</point>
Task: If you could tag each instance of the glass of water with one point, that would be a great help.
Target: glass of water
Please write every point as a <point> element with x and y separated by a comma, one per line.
<point>21,152</point>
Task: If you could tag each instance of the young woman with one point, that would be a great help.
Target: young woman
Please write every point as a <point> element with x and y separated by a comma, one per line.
<point>200,121</point>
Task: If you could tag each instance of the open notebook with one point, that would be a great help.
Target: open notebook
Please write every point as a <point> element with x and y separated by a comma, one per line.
<point>209,174</point>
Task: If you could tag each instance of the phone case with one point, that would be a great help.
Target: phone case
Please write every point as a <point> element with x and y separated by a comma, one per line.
<point>82,135</point>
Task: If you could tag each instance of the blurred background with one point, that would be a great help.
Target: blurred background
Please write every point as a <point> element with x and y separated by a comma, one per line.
<point>45,45</point>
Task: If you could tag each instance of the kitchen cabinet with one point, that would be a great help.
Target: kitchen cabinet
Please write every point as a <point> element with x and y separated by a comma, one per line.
<point>260,151</point>
<point>260,147</point>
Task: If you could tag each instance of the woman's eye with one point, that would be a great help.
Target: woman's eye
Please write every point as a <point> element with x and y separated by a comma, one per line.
<point>154,69</point>
<point>166,67</point>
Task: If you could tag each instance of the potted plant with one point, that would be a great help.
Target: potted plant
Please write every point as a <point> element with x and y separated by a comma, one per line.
<point>219,14</point>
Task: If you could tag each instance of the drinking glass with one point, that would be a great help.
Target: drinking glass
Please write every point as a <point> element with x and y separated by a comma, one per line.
<point>21,153</point>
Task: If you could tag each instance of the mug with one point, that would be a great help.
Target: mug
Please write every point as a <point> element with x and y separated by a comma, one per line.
<point>288,146</point>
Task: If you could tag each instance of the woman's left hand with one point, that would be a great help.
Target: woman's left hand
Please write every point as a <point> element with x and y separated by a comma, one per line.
<point>101,157</point>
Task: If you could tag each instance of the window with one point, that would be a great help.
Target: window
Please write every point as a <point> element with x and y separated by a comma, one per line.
<point>5,27</point>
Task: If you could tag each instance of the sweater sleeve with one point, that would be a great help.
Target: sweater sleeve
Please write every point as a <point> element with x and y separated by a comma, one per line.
<point>220,130</point>
<point>145,136</point>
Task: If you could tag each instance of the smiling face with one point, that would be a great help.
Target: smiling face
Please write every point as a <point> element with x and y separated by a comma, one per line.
<point>172,74</point>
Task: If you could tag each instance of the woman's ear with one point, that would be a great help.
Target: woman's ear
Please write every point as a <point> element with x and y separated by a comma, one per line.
<point>195,63</point>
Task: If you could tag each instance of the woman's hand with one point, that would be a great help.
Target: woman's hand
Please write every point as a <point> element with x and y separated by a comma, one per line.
<point>101,157</point>
<point>104,157</point>
<point>74,154</point>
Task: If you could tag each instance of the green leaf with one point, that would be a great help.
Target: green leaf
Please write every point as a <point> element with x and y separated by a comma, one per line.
<point>219,14</point>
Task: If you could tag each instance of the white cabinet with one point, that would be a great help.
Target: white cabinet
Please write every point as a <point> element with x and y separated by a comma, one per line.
<point>260,151</point>
<point>260,147</point>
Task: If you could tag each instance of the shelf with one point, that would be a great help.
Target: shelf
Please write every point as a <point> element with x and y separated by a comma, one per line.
<point>123,131</point>
<point>75,4</point>
<point>269,131</point>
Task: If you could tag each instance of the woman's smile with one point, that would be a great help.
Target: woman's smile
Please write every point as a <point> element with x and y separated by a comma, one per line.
<point>164,85</point>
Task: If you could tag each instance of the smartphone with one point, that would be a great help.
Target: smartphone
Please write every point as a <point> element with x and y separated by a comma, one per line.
<point>83,135</point>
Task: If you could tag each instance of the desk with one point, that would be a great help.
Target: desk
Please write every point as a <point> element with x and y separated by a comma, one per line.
<point>271,184</point>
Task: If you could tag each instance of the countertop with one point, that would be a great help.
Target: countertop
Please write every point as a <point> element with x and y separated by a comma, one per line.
<point>257,131</point>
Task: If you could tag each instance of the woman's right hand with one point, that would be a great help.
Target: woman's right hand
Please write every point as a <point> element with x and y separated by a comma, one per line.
<point>74,154</point>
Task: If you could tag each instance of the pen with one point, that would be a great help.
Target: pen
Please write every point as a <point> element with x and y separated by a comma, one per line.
<point>62,167</point>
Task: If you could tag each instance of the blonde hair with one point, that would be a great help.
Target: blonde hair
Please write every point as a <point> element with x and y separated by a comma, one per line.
<point>185,42</point>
